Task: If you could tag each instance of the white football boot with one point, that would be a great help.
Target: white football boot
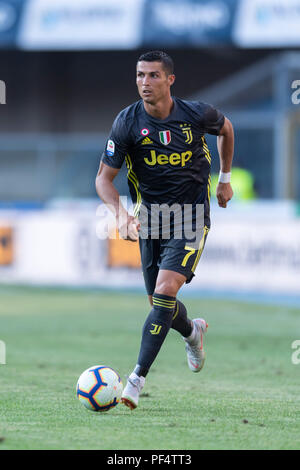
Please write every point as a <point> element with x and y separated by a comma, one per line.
<point>131,393</point>
<point>194,345</point>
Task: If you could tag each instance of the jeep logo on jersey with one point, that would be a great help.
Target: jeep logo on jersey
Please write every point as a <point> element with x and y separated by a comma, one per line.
<point>173,159</point>
<point>110,149</point>
<point>165,137</point>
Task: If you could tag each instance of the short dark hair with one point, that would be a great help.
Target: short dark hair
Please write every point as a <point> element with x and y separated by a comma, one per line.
<point>159,56</point>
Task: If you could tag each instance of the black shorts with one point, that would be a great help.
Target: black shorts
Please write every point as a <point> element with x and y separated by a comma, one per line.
<point>171,254</point>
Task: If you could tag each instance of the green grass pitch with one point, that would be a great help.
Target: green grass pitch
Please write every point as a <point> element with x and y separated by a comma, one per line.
<point>246,397</point>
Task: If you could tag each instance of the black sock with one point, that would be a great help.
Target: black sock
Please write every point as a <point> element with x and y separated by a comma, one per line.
<point>180,322</point>
<point>155,330</point>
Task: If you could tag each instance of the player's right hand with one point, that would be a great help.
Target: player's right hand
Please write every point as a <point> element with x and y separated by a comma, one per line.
<point>130,229</point>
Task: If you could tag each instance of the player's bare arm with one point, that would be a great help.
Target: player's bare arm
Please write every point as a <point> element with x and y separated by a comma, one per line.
<point>128,225</point>
<point>225,143</point>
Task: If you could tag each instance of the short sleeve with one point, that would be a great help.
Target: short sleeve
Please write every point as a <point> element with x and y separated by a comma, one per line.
<point>117,144</point>
<point>212,120</point>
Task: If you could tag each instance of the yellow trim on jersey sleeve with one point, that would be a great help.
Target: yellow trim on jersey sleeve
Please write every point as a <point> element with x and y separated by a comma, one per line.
<point>206,150</point>
<point>133,179</point>
<point>208,188</point>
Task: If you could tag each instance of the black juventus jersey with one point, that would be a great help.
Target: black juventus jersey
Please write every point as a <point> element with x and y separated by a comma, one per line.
<point>168,160</point>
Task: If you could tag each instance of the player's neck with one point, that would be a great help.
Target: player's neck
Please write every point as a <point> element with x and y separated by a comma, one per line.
<point>160,110</point>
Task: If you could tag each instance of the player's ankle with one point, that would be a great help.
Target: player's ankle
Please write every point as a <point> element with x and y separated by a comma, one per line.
<point>136,380</point>
<point>192,336</point>
<point>140,371</point>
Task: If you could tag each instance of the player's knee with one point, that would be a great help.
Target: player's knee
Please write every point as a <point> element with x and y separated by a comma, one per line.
<point>167,287</point>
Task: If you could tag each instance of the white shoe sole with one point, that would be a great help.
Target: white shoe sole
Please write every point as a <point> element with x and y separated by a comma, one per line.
<point>128,402</point>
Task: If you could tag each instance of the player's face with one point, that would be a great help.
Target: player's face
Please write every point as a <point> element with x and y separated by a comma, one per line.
<point>152,81</point>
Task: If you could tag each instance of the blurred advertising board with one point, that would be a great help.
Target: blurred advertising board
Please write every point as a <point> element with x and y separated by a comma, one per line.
<point>243,253</point>
<point>259,257</point>
<point>123,254</point>
<point>77,24</point>
<point>10,14</point>
<point>132,24</point>
<point>267,23</point>
<point>6,246</point>
<point>188,22</point>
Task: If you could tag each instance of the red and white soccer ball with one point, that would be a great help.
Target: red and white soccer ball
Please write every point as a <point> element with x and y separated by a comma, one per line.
<point>99,388</point>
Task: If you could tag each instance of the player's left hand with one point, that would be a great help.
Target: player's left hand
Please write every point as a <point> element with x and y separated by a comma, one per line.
<point>224,193</point>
